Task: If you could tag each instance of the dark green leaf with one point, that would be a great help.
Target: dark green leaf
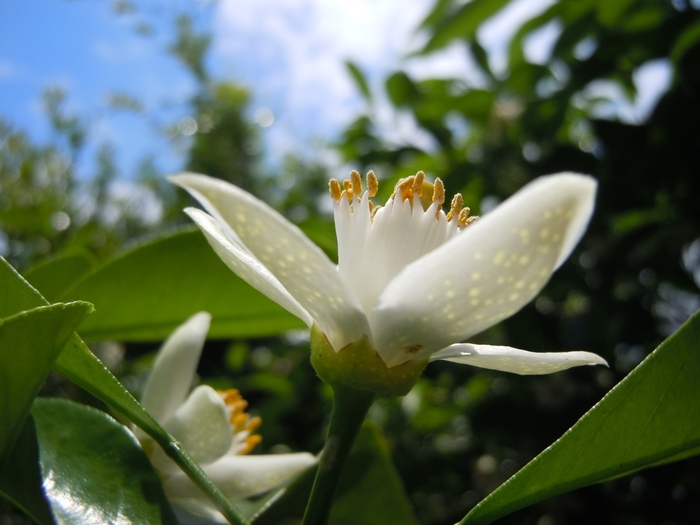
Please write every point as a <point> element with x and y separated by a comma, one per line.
<point>649,418</point>
<point>150,290</point>
<point>20,476</point>
<point>29,344</point>
<point>359,78</point>
<point>369,491</point>
<point>93,468</point>
<point>685,41</point>
<point>54,277</point>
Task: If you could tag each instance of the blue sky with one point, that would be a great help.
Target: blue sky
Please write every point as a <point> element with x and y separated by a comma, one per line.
<point>289,53</point>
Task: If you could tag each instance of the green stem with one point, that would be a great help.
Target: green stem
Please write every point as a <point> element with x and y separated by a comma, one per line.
<point>350,407</point>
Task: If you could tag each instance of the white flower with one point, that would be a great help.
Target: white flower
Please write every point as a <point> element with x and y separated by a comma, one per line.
<point>412,281</point>
<point>212,426</point>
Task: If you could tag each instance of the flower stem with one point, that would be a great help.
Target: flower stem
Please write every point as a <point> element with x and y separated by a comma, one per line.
<point>350,407</point>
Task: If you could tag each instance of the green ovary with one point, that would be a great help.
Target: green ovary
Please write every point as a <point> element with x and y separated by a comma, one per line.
<point>359,366</point>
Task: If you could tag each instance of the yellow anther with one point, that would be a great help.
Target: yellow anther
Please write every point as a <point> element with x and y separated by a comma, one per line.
<point>438,192</point>
<point>418,183</point>
<point>336,192</point>
<point>404,188</point>
<point>238,421</point>
<point>356,183</point>
<point>239,405</point>
<point>250,443</point>
<point>464,219</point>
<point>253,424</point>
<point>455,207</point>
<point>372,183</point>
<point>347,184</point>
<point>374,210</point>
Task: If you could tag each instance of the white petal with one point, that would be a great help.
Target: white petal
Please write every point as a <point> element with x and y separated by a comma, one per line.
<point>202,425</point>
<point>507,359</point>
<point>299,265</point>
<point>485,273</point>
<point>174,367</point>
<point>246,265</point>
<point>243,476</point>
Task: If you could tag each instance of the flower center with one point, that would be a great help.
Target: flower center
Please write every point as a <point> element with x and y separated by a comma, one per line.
<point>242,425</point>
<point>376,242</point>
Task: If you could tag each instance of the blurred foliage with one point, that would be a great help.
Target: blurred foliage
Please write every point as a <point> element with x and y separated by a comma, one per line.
<point>627,285</point>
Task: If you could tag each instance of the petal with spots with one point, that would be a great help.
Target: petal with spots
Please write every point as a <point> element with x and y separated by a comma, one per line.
<point>298,264</point>
<point>246,265</point>
<point>507,359</point>
<point>484,274</point>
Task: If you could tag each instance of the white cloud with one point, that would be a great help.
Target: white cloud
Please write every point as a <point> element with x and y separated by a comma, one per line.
<point>292,56</point>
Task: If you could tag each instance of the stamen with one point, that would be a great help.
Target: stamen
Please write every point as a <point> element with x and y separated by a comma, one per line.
<point>464,219</point>
<point>372,183</point>
<point>405,188</point>
<point>455,207</point>
<point>334,187</point>
<point>347,184</point>
<point>356,183</point>
<point>418,183</point>
<point>250,443</point>
<point>253,424</point>
<point>438,194</point>
<point>238,421</point>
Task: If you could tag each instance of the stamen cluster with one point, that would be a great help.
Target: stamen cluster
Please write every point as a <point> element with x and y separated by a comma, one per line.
<point>242,425</point>
<point>407,188</point>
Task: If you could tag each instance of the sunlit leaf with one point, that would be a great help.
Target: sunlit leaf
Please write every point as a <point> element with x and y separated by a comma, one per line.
<point>146,293</point>
<point>54,277</point>
<point>92,468</point>
<point>649,418</point>
<point>29,344</point>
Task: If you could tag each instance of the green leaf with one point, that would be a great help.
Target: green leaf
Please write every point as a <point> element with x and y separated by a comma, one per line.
<point>369,492</point>
<point>20,477</point>
<point>649,418</point>
<point>685,41</point>
<point>29,344</point>
<point>146,293</point>
<point>53,278</point>
<point>89,461</point>
<point>464,23</point>
<point>359,78</point>
<point>81,366</point>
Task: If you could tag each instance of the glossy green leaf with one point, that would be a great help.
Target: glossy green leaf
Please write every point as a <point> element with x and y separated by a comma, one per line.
<point>146,293</point>
<point>54,277</point>
<point>20,477</point>
<point>369,492</point>
<point>29,344</point>
<point>81,366</point>
<point>93,469</point>
<point>651,417</point>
